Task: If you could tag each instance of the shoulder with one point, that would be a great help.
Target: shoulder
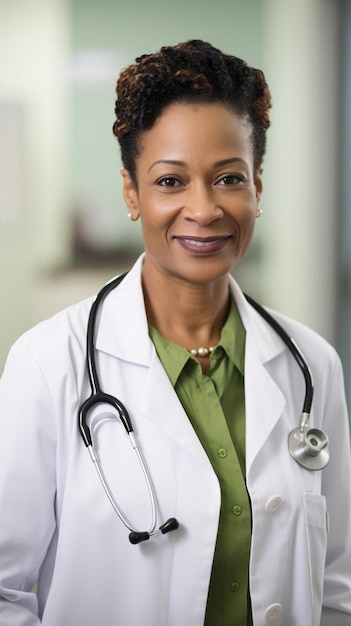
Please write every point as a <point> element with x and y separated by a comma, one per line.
<point>267,340</point>
<point>317,351</point>
<point>63,334</point>
<point>305,335</point>
<point>321,357</point>
<point>58,344</point>
<point>47,364</point>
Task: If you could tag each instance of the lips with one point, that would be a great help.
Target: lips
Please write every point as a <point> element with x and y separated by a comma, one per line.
<point>208,245</point>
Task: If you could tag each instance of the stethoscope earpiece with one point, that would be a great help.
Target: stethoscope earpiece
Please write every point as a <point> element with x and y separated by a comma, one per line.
<point>136,536</point>
<point>309,447</point>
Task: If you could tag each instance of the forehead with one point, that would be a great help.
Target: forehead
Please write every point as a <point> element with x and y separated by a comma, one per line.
<point>188,129</point>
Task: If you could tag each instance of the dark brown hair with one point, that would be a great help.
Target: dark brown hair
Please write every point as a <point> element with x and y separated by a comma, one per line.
<point>193,71</point>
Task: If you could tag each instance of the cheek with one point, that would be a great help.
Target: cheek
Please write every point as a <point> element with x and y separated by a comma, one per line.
<point>159,212</point>
<point>246,222</point>
<point>246,215</point>
<point>250,222</point>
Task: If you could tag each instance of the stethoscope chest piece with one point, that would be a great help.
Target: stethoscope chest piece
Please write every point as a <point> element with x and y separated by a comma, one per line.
<point>309,447</point>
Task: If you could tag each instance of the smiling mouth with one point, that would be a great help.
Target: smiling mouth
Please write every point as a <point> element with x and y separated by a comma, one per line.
<point>203,246</point>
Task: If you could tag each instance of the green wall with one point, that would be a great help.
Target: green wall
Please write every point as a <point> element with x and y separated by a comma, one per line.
<point>71,159</point>
<point>127,30</point>
<point>139,26</point>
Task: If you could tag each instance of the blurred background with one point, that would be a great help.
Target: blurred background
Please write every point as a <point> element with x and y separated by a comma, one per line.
<point>63,224</point>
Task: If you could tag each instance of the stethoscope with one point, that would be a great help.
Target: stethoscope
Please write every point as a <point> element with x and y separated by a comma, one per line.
<point>308,446</point>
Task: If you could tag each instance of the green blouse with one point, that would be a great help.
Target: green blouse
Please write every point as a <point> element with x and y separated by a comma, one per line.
<point>215,405</point>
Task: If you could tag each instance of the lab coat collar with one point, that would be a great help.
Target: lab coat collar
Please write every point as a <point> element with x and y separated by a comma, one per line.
<point>261,338</point>
<point>123,332</point>
<point>264,400</point>
<point>123,327</point>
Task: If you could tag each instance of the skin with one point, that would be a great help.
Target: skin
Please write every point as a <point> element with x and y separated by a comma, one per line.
<point>197,196</point>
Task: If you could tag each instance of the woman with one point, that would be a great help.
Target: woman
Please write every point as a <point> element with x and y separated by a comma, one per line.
<point>211,390</point>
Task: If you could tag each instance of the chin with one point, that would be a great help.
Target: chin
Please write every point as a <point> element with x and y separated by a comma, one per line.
<point>202,273</point>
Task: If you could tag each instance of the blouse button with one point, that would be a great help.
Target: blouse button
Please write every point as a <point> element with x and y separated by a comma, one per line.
<point>222,452</point>
<point>237,510</point>
<point>235,586</point>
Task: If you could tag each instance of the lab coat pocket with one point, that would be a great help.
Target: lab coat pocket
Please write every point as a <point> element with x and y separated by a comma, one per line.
<point>316,534</point>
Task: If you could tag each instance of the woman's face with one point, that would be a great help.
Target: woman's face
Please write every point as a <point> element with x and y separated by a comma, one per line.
<point>197,193</point>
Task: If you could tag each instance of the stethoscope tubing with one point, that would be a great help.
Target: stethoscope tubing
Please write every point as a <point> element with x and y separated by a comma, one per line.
<point>97,396</point>
<point>295,351</point>
<point>309,448</point>
<point>110,495</point>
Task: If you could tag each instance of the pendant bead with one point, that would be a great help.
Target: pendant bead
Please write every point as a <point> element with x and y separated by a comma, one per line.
<point>201,351</point>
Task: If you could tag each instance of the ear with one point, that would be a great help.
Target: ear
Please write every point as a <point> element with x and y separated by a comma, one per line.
<point>258,183</point>
<point>130,194</point>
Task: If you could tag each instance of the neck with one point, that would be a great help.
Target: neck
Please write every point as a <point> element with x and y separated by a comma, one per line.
<point>190,314</point>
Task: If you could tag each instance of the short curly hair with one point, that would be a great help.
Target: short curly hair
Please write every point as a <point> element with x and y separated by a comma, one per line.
<point>193,71</point>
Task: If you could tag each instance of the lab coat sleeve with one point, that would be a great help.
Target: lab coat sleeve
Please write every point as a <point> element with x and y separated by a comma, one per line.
<point>336,486</point>
<point>27,484</point>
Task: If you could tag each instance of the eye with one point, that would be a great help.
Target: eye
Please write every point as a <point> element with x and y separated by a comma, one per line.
<point>168,181</point>
<point>230,179</point>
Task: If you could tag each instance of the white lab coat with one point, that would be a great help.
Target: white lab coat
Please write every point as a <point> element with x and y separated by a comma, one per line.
<point>56,522</point>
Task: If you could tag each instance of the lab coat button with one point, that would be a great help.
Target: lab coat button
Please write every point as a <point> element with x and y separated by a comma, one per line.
<point>273,504</point>
<point>273,612</point>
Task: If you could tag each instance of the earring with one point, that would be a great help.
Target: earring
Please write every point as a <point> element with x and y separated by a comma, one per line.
<point>133,217</point>
<point>259,212</point>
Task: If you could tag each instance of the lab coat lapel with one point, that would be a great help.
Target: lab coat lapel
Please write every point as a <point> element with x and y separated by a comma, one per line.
<point>264,400</point>
<point>264,405</point>
<point>123,332</point>
<point>122,327</point>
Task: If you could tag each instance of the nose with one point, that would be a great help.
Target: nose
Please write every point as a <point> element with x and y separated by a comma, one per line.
<point>201,205</point>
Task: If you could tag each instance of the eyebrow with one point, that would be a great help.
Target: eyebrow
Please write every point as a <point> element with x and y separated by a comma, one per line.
<point>182,163</point>
<point>229,161</point>
<point>166,161</point>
